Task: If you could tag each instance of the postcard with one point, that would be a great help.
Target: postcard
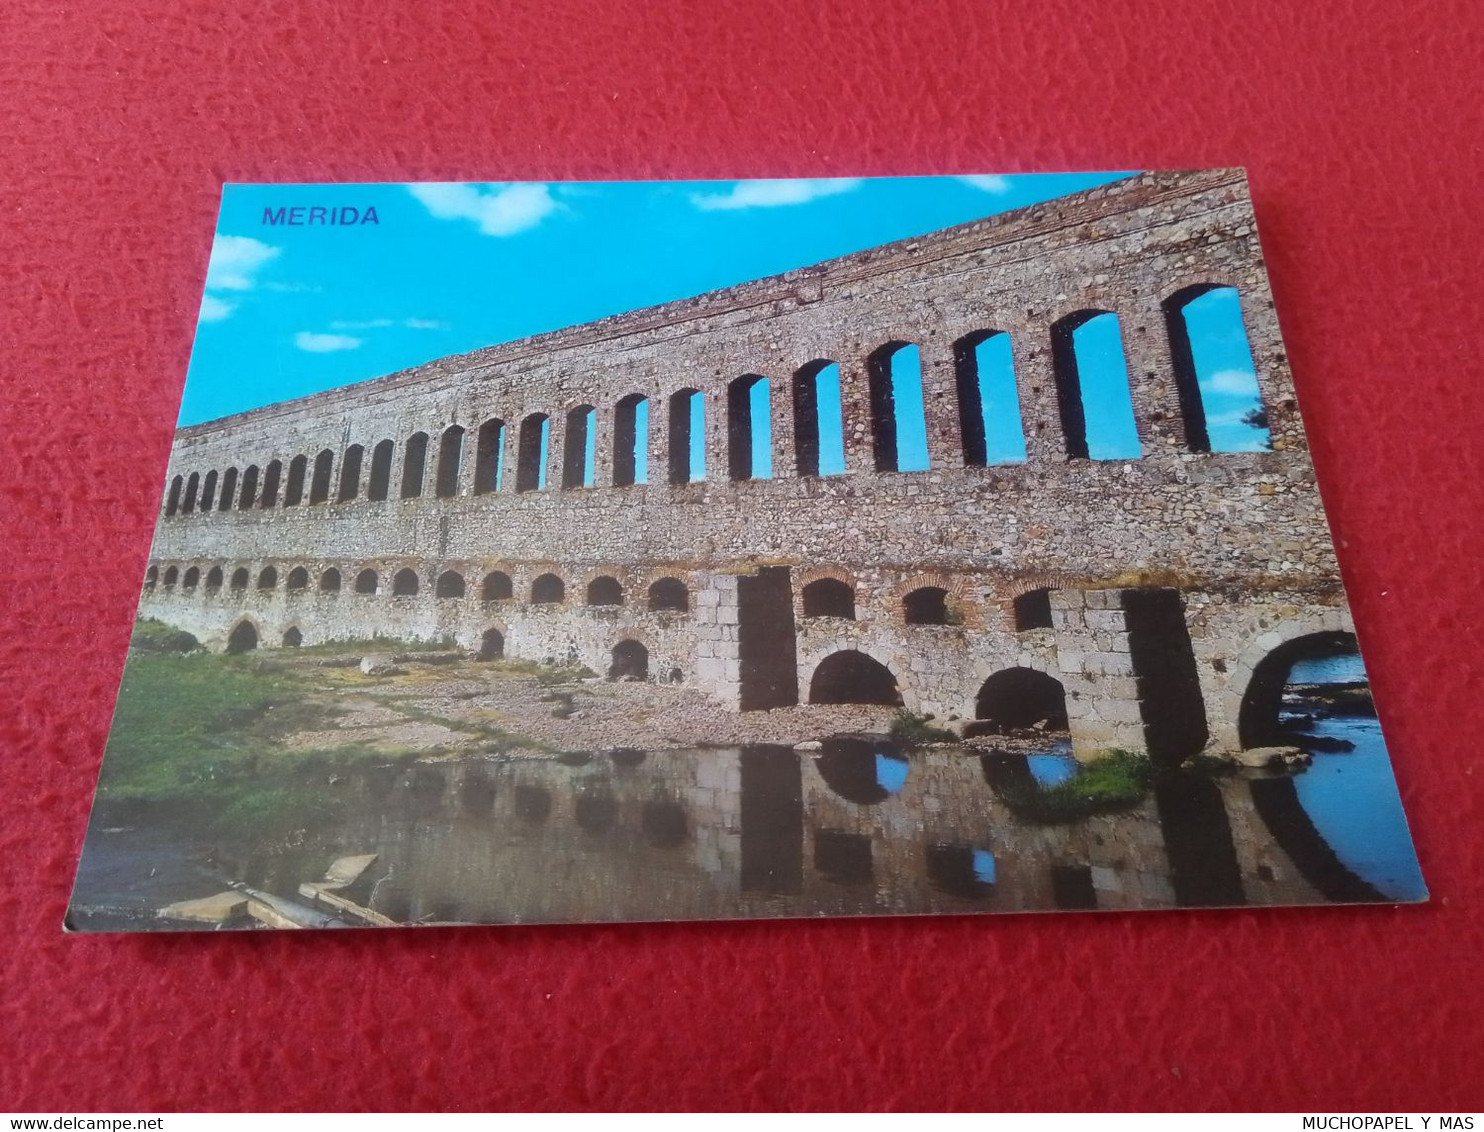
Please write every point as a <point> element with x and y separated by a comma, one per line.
<point>583,552</point>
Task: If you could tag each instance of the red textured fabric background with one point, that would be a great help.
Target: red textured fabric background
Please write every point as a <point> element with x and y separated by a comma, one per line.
<point>1360,122</point>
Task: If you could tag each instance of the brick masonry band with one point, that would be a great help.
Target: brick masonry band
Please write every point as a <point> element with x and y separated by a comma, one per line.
<point>1152,589</point>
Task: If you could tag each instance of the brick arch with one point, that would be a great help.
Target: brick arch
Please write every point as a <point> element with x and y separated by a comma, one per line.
<point>958,588</point>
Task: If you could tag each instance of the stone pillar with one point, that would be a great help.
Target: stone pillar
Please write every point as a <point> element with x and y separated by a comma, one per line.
<point>718,664</point>
<point>855,414</point>
<point>940,407</point>
<point>1035,384</point>
<point>1092,653</point>
<point>1151,375</point>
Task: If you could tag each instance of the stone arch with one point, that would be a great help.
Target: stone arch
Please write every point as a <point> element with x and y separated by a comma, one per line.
<point>1015,699</point>
<point>380,484</point>
<point>1191,357</point>
<point>605,590</point>
<point>749,428</point>
<point>248,492</point>
<point>272,475</point>
<point>898,420</point>
<point>324,470</point>
<point>268,579</point>
<point>1262,697</point>
<point>241,578</point>
<point>531,445</point>
<point>243,637</point>
<point>687,452</point>
<point>329,581</point>
<point>990,426</point>
<point>293,490</point>
<point>151,577</point>
<point>819,446</point>
<point>579,447</point>
<point>488,448</point>
<point>298,579</point>
<point>450,462</point>
<point>172,497</point>
<point>414,465</point>
<point>497,586</point>
<point>492,644</point>
<point>1113,433</point>
<point>669,595</point>
<point>926,605</point>
<point>829,597</point>
<point>853,677</point>
<point>631,440</point>
<point>172,575</point>
<point>404,583</point>
<point>193,486</point>
<point>350,474</point>
<point>214,579</point>
<point>228,495</point>
<point>191,578</point>
<point>548,589</point>
<point>630,659</point>
<point>292,638</point>
<point>208,492</point>
<point>450,584</point>
<point>367,581</point>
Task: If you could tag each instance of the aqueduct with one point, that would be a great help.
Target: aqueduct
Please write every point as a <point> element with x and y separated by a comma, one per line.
<point>791,486</point>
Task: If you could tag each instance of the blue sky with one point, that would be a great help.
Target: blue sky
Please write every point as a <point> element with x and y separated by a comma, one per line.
<point>451,267</point>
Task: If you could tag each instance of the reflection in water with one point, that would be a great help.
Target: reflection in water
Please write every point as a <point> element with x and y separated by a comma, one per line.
<point>961,870</point>
<point>863,770</point>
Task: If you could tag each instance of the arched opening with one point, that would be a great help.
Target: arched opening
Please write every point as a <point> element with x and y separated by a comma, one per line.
<point>492,645</point>
<point>1097,411</point>
<point>497,586</point>
<point>819,434</point>
<point>404,584</point>
<point>249,490</point>
<point>243,638</point>
<point>240,578</point>
<point>488,450</point>
<point>292,638</point>
<point>580,447</point>
<point>450,584</point>
<point>172,575</point>
<point>926,605</point>
<point>191,579</point>
<point>631,440</point>
<point>829,597</point>
<point>414,465</point>
<point>366,582</point>
<point>988,399</point>
<point>604,590</point>
<point>298,578</point>
<point>229,490</point>
<point>329,581</point>
<point>350,474</point>
<point>193,485</point>
<point>1033,610</point>
<point>450,462</point>
<point>268,579</point>
<point>687,436</point>
<point>151,577</point>
<point>531,457</point>
<point>324,468</point>
<point>208,492</point>
<point>663,822</point>
<point>898,422</point>
<point>172,499</point>
<point>548,589</point>
<point>676,676</point>
<point>1215,377</point>
<point>293,490</point>
<point>1260,721</point>
<point>272,474</point>
<point>669,595</point>
<point>630,661</point>
<point>749,428</point>
<point>852,677</point>
<point>213,579</point>
<point>379,486</point>
<point>866,772</point>
<point>1017,699</point>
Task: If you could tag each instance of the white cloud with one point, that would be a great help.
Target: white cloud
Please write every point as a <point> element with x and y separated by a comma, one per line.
<point>772,193</point>
<point>1231,383</point>
<point>501,210</point>
<point>235,260</point>
<point>988,182</point>
<point>424,324</point>
<point>324,343</point>
<point>384,323</point>
<point>214,309</point>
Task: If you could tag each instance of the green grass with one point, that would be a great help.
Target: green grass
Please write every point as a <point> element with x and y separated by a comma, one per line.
<point>1118,781</point>
<point>913,730</point>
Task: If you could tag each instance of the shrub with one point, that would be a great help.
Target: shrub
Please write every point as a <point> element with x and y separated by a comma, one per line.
<point>1118,781</point>
<point>913,730</point>
<point>151,635</point>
